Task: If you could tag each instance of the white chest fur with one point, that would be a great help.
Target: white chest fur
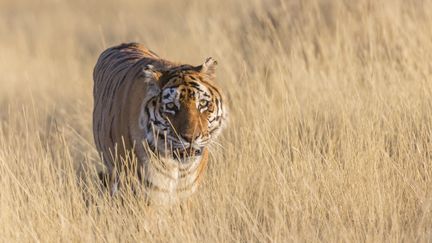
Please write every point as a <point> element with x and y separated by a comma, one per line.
<point>168,180</point>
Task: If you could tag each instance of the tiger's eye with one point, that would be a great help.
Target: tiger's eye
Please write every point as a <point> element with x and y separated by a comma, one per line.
<point>170,105</point>
<point>203,103</point>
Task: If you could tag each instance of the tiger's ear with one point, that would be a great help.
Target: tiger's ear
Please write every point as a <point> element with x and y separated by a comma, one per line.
<point>209,67</point>
<point>151,78</point>
<point>150,74</point>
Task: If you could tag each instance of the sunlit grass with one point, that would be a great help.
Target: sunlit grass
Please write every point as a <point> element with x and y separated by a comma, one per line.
<point>329,138</point>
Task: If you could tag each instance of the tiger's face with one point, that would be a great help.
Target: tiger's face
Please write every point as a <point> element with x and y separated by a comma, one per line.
<point>186,111</point>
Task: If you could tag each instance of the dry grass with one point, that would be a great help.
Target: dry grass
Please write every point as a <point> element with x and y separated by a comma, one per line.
<point>330,134</point>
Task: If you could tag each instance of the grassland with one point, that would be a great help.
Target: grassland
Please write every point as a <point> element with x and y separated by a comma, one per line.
<point>330,133</point>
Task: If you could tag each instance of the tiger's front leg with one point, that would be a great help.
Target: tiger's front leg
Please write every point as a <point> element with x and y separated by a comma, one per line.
<point>109,181</point>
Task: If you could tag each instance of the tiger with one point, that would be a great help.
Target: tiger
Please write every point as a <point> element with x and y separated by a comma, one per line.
<point>162,113</point>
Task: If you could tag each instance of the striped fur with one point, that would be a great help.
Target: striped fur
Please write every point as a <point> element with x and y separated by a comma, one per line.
<point>163,113</point>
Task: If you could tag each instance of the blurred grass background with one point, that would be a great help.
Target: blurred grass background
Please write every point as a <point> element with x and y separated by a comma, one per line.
<point>330,120</point>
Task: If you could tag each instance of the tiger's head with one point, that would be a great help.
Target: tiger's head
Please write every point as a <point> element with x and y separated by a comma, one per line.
<point>183,110</point>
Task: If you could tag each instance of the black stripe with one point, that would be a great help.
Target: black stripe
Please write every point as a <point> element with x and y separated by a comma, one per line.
<point>157,123</point>
<point>111,130</point>
<point>214,128</point>
<point>152,186</point>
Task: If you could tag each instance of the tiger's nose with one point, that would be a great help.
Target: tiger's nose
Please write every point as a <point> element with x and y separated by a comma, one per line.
<point>189,137</point>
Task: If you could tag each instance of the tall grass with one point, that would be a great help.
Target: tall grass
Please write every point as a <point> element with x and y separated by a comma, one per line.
<point>330,132</point>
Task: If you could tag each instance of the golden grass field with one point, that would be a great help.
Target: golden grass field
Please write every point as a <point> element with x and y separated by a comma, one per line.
<point>329,138</point>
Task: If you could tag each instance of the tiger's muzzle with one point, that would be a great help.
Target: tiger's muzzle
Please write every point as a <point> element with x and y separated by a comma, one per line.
<point>179,148</point>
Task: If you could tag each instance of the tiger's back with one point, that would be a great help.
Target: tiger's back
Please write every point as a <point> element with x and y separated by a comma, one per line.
<point>112,82</point>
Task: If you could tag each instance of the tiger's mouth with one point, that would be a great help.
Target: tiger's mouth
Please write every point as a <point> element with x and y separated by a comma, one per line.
<point>181,151</point>
<point>181,154</point>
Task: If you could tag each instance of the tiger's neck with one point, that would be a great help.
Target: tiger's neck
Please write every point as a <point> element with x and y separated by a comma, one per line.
<point>167,180</point>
